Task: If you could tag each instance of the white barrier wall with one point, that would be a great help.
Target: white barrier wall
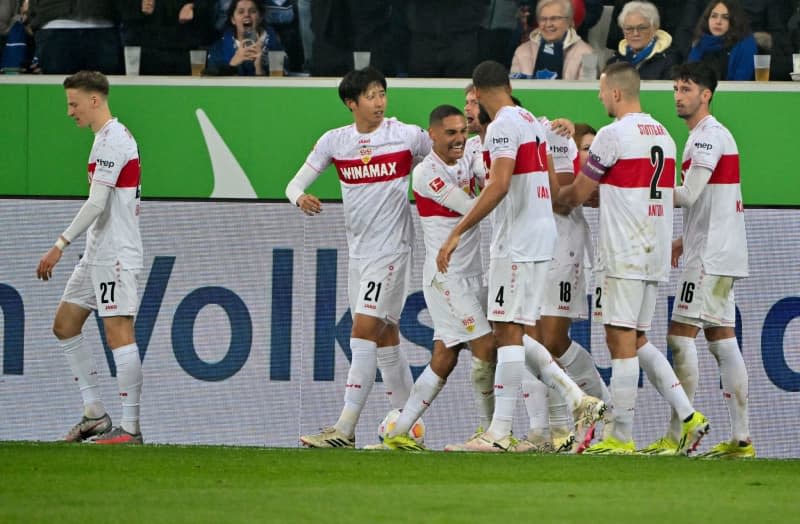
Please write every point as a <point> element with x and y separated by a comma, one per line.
<point>244,324</point>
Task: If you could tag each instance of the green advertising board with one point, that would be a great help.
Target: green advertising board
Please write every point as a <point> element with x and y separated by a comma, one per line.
<point>238,138</point>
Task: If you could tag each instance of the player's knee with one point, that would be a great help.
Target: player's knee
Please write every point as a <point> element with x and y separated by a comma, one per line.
<point>64,330</point>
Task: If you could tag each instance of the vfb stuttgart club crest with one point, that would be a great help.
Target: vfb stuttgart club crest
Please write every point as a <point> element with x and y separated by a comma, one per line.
<point>366,154</point>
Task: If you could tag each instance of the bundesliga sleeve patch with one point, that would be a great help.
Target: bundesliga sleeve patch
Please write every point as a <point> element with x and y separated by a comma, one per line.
<point>436,184</point>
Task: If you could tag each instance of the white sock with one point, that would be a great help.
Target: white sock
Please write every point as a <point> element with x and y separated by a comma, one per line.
<point>534,396</point>
<point>684,362</point>
<point>482,376</point>
<point>735,384</point>
<point>624,383</point>
<point>360,379</point>
<point>579,365</point>
<point>129,379</point>
<point>396,375</point>
<point>541,363</point>
<point>81,363</point>
<point>425,389</point>
<point>661,375</point>
<point>559,414</point>
<point>508,377</point>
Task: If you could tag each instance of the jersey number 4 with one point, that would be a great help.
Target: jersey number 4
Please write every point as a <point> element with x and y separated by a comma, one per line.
<point>657,161</point>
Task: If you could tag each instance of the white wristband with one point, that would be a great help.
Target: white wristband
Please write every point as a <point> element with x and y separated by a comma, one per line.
<point>61,243</point>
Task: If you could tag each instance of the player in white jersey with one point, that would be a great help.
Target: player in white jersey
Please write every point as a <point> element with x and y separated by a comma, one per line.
<point>714,248</point>
<point>564,300</point>
<point>632,160</point>
<point>373,159</point>
<point>106,277</point>
<point>517,194</point>
<point>444,188</point>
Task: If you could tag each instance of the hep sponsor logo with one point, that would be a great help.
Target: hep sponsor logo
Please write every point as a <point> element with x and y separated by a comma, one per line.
<point>108,164</point>
<point>703,145</point>
<point>436,184</point>
<point>559,149</point>
<point>501,140</point>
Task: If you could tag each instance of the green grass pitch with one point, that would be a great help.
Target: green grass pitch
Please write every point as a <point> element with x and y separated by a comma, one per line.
<point>62,483</point>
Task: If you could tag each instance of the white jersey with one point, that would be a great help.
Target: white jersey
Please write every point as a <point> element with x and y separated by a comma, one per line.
<point>633,159</point>
<point>522,223</point>
<point>473,149</point>
<point>373,169</point>
<point>433,181</point>
<point>114,236</point>
<point>574,235</point>
<point>714,237</point>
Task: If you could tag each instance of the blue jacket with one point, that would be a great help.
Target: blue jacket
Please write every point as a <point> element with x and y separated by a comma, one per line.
<point>220,54</point>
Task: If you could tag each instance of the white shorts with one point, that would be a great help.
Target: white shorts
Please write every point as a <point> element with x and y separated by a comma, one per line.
<point>565,290</point>
<point>704,300</point>
<point>114,288</point>
<point>456,306</point>
<point>378,287</point>
<point>626,303</point>
<point>515,290</point>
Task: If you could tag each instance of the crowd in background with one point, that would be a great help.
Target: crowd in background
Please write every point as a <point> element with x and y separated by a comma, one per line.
<point>414,38</point>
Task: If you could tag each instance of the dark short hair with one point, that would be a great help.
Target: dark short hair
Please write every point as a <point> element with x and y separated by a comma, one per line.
<point>235,3</point>
<point>490,74</point>
<point>90,81</point>
<point>698,72</point>
<point>356,82</point>
<point>441,112</point>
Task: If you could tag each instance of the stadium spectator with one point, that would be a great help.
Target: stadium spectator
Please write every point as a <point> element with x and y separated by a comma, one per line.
<point>167,30</point>
<point>243,48</point>
<point>17,52</point>
<point>635,147</point>
<point>281,18</point>
<point>373,159</point>
<point>444,37</point>
<point>105,279</point>
<point>724,42</point>
<point>519,260</point>
<point>645,46</point>
<point>496,41</point>
<point>714,246</point>
<point>554,50</point>
<point>74,35</point>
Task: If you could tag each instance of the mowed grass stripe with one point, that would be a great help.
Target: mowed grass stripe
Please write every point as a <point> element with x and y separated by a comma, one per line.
<point>46,482</point>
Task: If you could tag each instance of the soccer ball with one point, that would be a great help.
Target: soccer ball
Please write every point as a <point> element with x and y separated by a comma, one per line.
<point>417,431</point>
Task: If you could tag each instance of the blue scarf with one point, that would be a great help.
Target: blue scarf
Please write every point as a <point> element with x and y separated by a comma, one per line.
<point>740,56</point>
<point>707,44</point>
<point>641,56</point>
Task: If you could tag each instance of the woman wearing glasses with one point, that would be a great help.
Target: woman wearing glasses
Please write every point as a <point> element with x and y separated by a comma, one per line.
<point>645,45</point>
<point>554,50</point>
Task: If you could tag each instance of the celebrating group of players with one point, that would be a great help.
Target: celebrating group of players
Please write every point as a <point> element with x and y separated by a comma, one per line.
<point>525,174</point>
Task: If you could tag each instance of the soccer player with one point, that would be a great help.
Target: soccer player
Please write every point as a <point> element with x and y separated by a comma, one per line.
<point>373,158</point>
<point>523,235</point>
<point>106,277</point>
<point>564,300</point>
<point>444,188</point>
<point>714,245</point>
<point>632,159</point>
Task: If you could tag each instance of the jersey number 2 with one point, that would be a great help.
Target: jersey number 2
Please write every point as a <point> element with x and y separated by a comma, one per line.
<point>657,161</point>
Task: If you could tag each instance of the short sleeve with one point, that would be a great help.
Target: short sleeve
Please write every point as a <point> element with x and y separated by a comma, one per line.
<point>108,162</point>
<point>429,183</point>
<point>603,153</point>
<point>321,155</point>
<point>563,151</point>
<point>707,149</point>
<point>502,140</point>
